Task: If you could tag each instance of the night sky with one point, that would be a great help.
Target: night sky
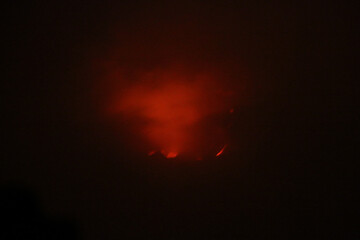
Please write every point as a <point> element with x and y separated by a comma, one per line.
<point>69,172</point>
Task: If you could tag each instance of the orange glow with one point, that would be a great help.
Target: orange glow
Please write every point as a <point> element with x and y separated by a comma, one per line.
<point>175,112</point>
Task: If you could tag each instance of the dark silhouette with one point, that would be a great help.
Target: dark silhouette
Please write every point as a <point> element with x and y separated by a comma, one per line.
<point>23,219</point>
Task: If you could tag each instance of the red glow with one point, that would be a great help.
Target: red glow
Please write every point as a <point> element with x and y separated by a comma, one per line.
<point>175,112</point>
<point>169,154</point>
<point>151,153</point>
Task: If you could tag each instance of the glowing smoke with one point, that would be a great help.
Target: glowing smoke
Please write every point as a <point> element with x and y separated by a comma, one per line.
<point>176,112</point>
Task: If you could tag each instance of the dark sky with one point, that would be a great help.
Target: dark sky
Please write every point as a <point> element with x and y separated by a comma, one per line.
<point>291,172</point>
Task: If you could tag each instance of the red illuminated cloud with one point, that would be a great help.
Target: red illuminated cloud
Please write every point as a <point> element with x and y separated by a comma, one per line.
<point>176,112</point>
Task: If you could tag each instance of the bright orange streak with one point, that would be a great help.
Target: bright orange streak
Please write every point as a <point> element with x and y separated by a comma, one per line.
<point>221,151</point>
